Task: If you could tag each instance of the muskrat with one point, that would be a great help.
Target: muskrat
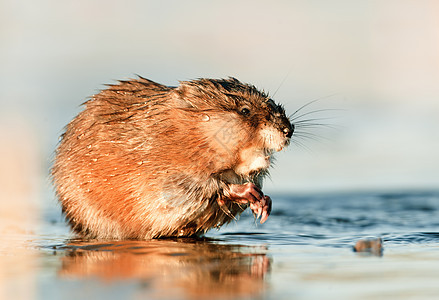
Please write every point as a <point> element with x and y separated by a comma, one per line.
<point>144,160</point>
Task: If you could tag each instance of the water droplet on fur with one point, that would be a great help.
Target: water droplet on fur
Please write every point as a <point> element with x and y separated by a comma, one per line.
<point>206,118</point>
<point>89,146</point>
<point>94,159</point>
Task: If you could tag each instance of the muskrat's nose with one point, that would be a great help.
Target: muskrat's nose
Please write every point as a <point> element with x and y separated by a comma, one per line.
<point>288,131</point>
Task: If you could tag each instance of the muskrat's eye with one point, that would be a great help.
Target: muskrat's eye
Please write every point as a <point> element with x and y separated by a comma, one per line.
<point>245,111</point>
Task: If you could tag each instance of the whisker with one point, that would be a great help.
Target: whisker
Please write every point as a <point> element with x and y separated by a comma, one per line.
<point>311,102</point>
<point>316,111</point>
<point>301,145</point>
<point>305,139</point>
<point>282,82</point>
<point>311,136</point>
<point>315,119</point>
<point>310,125</point>
<point>318,125</point>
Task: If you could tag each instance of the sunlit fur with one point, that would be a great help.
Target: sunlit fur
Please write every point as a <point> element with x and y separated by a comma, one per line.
<point>144,160</point>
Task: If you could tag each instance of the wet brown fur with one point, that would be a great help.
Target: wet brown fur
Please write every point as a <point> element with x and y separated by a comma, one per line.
<point>144,160</point>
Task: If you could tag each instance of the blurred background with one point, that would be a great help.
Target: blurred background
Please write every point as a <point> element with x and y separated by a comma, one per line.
<point>378,60</point>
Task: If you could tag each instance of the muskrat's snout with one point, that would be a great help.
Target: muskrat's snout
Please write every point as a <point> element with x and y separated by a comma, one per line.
<point>278,133</point>
<point>280,120</point>
<point>288,129</point>
<point>284,125</point>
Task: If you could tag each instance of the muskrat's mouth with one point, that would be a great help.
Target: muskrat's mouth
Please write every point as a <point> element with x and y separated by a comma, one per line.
<point>274,140</point>
<point>278,148</point>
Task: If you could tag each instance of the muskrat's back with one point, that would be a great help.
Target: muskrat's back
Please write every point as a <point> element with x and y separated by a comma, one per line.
<point>144,160</point>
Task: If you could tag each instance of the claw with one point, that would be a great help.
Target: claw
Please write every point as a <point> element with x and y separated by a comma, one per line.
<point>249,193</point>
<point>259,212</point>
<point>266,209</point>
<point>264,217</point>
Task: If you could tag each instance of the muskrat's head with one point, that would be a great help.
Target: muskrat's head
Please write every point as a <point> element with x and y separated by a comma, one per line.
<point>241,119</point>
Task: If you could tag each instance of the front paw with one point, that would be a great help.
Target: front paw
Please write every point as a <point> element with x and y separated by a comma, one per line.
<point>249,193</point>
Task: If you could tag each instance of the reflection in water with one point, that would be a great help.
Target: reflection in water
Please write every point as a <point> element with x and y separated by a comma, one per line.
<point>197,268</point>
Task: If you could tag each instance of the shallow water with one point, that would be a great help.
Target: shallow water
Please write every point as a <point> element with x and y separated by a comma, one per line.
<point>303,251</point>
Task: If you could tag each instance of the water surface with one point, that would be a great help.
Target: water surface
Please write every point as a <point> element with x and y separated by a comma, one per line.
<point>304,251</point>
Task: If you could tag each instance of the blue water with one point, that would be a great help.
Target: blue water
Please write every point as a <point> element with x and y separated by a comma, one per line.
<point>303,251</point>
<point>339,220</point>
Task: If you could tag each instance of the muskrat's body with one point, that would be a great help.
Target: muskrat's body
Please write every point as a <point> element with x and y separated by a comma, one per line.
<point>143,160</point>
